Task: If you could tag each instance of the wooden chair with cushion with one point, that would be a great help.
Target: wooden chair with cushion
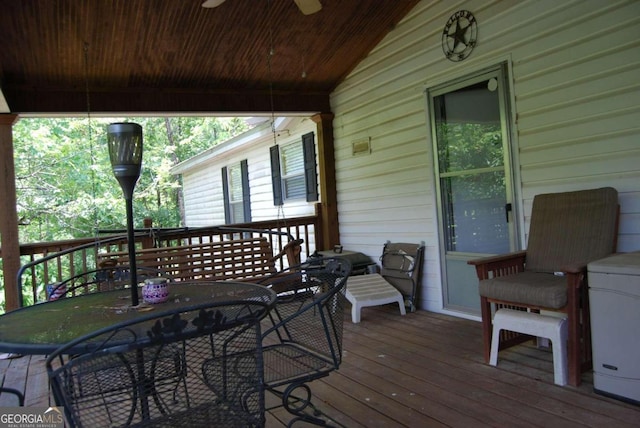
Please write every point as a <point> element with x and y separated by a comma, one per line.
<point>567,231</point>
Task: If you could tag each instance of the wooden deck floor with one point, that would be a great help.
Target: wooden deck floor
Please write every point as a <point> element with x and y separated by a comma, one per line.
<point>421,370</point>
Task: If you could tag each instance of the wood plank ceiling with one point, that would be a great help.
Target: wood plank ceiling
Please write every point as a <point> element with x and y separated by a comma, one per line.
<point>174,56</point>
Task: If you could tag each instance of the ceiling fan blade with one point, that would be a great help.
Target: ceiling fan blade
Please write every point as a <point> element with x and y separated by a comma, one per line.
<point>212,3</point>
<point>308,7</point>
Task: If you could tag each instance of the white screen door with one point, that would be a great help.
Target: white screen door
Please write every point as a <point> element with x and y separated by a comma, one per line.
<point>471,147</point>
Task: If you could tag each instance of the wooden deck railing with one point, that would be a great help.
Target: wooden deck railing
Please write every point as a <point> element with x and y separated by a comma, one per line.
<point>50,262</point>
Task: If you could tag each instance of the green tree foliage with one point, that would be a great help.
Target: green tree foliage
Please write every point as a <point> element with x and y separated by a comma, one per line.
<point>65,187</point>
<point>476,148</point>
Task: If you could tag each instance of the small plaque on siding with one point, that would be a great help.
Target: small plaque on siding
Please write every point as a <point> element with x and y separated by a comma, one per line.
<point>361,147</point>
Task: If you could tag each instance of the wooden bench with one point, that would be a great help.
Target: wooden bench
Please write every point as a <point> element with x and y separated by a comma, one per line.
<point>245,259</point>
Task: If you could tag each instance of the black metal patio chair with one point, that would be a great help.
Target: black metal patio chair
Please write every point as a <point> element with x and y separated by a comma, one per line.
<point>304,342</point>
<point>197,367</point>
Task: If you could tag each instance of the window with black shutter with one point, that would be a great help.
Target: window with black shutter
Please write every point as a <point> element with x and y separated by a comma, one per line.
<point>235,187</point>
<point>293,171</point>
<point>310,173</point>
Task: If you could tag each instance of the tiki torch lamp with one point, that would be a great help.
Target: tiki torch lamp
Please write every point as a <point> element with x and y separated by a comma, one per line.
<point>125,152</point>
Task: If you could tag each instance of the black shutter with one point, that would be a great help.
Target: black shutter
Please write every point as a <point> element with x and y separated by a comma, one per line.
<point>276,179</point>
<point>246,200</point>
<point>310,175</point>
<point>225,193</point>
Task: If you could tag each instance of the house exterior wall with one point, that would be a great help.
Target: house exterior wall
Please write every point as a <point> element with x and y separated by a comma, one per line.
<point>202,176</point>
<point>575,80</point>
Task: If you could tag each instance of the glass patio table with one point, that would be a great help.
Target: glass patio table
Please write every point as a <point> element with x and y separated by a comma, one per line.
<point>44,327</point>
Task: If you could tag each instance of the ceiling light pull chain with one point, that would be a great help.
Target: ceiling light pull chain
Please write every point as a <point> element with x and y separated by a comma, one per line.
<point>90,135</point>
<point>273,114</point>
<point>270,71</point>
<point>304,68</point>
<point>280,213</point>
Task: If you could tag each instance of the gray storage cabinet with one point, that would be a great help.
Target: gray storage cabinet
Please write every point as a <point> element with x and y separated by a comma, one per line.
<point>614,296</point>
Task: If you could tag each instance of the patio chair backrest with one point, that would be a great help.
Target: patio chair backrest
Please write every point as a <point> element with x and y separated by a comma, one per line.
<point>401,257</point>
<point>401,265</point>
<point>199,367</point>
<point>304,342</point>
<point>571,227</point>
<point>310,308</point>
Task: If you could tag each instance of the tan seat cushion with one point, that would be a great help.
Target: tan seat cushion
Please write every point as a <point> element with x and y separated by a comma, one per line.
<point>529,288</point>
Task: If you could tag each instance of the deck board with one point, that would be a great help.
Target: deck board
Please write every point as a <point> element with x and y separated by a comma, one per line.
<point>423,369</point>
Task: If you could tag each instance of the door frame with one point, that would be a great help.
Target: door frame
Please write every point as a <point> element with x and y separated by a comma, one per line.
<point>512,173</point>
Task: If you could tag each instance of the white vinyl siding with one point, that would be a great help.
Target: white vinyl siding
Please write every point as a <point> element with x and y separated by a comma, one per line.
<point>203,202</point>
<point>574,73</point>
<point>202,182</point>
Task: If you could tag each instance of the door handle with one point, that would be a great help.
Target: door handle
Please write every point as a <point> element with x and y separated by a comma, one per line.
<point>507,209</point>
